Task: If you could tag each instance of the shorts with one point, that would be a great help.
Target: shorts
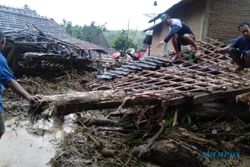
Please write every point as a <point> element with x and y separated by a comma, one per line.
<point>181,41</point>
<point>2,127</point>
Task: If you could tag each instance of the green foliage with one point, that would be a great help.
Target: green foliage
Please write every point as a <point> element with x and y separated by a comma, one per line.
<point>138,138</point>
<point>137,142</point>
<point>67,25</point>
<point>167,123</point>
<point>87,33</point>
<point>26,6</point>
<point>186,119</point>
<point>122,41</point>
<point>90,33</point>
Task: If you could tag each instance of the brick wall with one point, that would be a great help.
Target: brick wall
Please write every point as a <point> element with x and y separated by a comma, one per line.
<point>192,14</point>
<point>207,18</point>
<point>225,16</point>
<point>158,34</point>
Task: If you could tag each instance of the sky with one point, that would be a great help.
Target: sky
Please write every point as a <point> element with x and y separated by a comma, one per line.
<point>114,14</point>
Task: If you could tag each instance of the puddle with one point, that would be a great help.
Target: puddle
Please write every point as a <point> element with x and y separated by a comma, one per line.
<point>29,145</point>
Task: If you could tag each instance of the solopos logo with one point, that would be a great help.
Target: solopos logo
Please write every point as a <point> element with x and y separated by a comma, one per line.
<point>221,154</point>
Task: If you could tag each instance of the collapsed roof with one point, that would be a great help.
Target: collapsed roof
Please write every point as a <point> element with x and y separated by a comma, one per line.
<point>211,75</point>
<point>36,44</point>
<point>12,19</point>
<point>157,80</point>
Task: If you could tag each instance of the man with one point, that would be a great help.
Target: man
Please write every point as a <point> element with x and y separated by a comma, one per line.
<point>8,80</point>
<point>239,50</point>
<point>180,33</point>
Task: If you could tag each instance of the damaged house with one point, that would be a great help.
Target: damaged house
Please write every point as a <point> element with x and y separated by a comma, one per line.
<point>39,44</point>
<point>144,93</point>
<point>216,19</point>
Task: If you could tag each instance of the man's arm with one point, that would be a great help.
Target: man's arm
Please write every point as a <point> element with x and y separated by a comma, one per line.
<point>7,79</point>
<point>222,50</point>
<point>18,89</point>
<point>173,31</point>
<point>235,44</point>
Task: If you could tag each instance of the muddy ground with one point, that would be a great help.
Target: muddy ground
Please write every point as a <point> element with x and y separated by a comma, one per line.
<point>128,139</point>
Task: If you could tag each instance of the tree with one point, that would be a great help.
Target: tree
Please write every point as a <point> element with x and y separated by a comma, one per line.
<point>67,26</point>
<point>26,6</point>
<point>88,33</point>
<point>91,33</point>
<point>120,40</point>
<point>123,42</point>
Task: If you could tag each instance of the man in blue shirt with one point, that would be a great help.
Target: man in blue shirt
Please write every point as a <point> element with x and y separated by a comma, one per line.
<point>180,33</point>
<point>8,80</point>
<point>239,50</point>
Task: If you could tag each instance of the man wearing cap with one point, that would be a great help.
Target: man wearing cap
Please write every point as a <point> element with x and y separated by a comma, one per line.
<point>8,80</point>
<point>180,33</point>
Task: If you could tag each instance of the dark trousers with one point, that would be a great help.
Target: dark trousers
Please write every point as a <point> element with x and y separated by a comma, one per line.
<point>242,58</point>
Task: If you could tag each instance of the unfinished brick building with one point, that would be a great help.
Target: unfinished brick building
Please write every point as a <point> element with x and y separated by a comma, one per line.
<point>207,18</point>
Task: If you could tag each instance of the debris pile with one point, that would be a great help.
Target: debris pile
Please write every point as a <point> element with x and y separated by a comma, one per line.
<point>154,80</point>
<point>31,51</point>
<point>138,113</point>
<point>146,105</point>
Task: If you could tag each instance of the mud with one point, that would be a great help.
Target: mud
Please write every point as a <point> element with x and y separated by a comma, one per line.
<point>26,144</point>
<point>22,148</point>
<point>70,142</point>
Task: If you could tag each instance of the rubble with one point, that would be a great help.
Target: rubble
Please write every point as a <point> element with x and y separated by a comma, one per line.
<point>154,109</point>
<point>156,79</point>
<point>149,113</point>
<point>37,45</point>
<point>31,51</point>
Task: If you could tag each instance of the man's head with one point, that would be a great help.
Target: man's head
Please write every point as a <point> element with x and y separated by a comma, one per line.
<point>2,40</point>
<point>244,28</point>
<point>165,18</point>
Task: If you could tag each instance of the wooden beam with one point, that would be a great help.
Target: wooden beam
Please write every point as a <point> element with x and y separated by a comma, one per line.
<point>206,97</point>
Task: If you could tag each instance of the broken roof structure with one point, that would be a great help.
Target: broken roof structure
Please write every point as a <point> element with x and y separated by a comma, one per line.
<point>211,76</point>
<point>13,19</point>
<point>36,44</point>
<point>155,80</point>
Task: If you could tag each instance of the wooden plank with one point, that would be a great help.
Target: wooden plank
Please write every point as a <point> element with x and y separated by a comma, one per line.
<point>206,97</point>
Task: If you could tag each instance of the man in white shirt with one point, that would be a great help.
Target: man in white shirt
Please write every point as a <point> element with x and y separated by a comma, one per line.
<point>180,33</point>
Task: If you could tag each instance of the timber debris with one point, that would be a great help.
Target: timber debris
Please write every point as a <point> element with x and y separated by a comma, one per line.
<point>208,78</point>
<point>30,51</point>
<point>149,113</point>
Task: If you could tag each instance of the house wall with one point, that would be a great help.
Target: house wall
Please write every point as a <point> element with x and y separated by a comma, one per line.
<point>158,34</point>
<point>191,13</point>
<point>225,16</point>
